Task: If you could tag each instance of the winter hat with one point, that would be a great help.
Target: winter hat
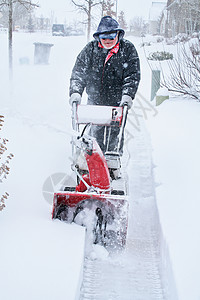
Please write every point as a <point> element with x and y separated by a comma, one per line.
<point>108,24</point>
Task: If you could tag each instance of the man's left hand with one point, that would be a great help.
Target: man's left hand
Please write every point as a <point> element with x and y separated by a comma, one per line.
<point>126,100</point>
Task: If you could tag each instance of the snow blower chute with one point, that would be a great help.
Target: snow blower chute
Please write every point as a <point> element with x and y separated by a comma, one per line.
<point>98,200</point>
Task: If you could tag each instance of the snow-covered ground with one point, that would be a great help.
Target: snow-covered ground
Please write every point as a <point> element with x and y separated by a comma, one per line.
<point>176,144</point>
<point>41,259</point>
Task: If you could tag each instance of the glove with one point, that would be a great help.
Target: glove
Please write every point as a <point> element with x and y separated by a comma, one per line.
<point>75,97</point>
<point>126,100</point>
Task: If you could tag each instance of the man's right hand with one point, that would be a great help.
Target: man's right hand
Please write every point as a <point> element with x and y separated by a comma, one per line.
<point>75,98</point>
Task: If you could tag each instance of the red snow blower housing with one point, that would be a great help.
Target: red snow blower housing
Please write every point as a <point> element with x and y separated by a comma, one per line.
<point>98,200</point>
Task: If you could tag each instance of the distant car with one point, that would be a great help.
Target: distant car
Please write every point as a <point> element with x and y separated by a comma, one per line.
<point>59,30</point>
<point>3,29</point>
<point>77,32</point>
<point>62,30</point>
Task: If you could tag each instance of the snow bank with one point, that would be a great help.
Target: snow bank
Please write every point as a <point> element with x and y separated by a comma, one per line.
<point>41,258</point>
<point>176,143</point>
<point>163,92</point>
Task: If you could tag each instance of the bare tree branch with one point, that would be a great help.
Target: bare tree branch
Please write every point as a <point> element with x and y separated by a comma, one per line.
<point>3,3</point>
<point>27,4</point>
<point>86,7</point>
<point>80,6</point>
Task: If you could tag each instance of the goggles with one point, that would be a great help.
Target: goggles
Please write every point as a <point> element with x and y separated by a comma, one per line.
<point>108,35</point>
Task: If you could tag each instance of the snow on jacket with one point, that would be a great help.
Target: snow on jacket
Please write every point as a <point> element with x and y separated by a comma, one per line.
<point>105,83</point>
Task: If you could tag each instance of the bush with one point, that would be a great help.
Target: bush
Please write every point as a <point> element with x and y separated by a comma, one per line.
<point>4,167</point>
<point>181,37</point>
<point>170,41</point>
<point>160,39</point>
<point>145,44</point>
<point>160,55</point>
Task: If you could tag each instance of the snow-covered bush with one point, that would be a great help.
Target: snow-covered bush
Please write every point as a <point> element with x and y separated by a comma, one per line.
<point>196,35</point>
<point>160,55</point>
<point>169,41</point>
<point>159,39</point>
<point>181,37</point>
<point>143,44</point>
<point>4,167</point>
<point>195,50</point>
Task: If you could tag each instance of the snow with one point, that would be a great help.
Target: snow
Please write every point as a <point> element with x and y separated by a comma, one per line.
<point>40,258</point>
<point>176,144</point>
<point>43,259</point>
<point>163,92</point>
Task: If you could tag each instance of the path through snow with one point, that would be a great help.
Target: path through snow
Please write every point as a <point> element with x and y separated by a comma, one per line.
<point>143,271</point>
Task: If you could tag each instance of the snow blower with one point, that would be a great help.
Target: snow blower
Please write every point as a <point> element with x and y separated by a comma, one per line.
<point>98,201</point>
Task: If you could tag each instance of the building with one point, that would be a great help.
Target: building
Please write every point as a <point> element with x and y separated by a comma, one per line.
<point>182,16</point>
<point>155,17</point>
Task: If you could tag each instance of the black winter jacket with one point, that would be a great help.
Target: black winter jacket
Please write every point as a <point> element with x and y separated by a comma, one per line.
<point>105,85</point>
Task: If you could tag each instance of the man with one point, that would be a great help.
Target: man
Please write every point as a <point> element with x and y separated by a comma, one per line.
<point>108,67</point>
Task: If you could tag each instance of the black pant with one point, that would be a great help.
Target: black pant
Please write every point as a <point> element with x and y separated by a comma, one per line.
<point>107,138</point>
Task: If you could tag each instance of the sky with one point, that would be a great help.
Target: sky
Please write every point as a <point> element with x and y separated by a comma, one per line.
<point>64,9</point>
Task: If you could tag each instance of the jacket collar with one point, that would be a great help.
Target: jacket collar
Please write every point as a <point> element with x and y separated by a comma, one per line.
<point>112,51</point>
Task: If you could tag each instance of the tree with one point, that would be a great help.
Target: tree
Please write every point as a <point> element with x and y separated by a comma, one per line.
<point>19,13</point>
<point>9,5</point>
<point>86,7</point>
<point>122,21</point>
<point>108,8</point>
<point>137,25</point>
<point>30,24</point>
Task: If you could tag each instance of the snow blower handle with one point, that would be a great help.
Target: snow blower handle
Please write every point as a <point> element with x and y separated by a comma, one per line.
<point>125,112</point>
<point>74,116</point>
